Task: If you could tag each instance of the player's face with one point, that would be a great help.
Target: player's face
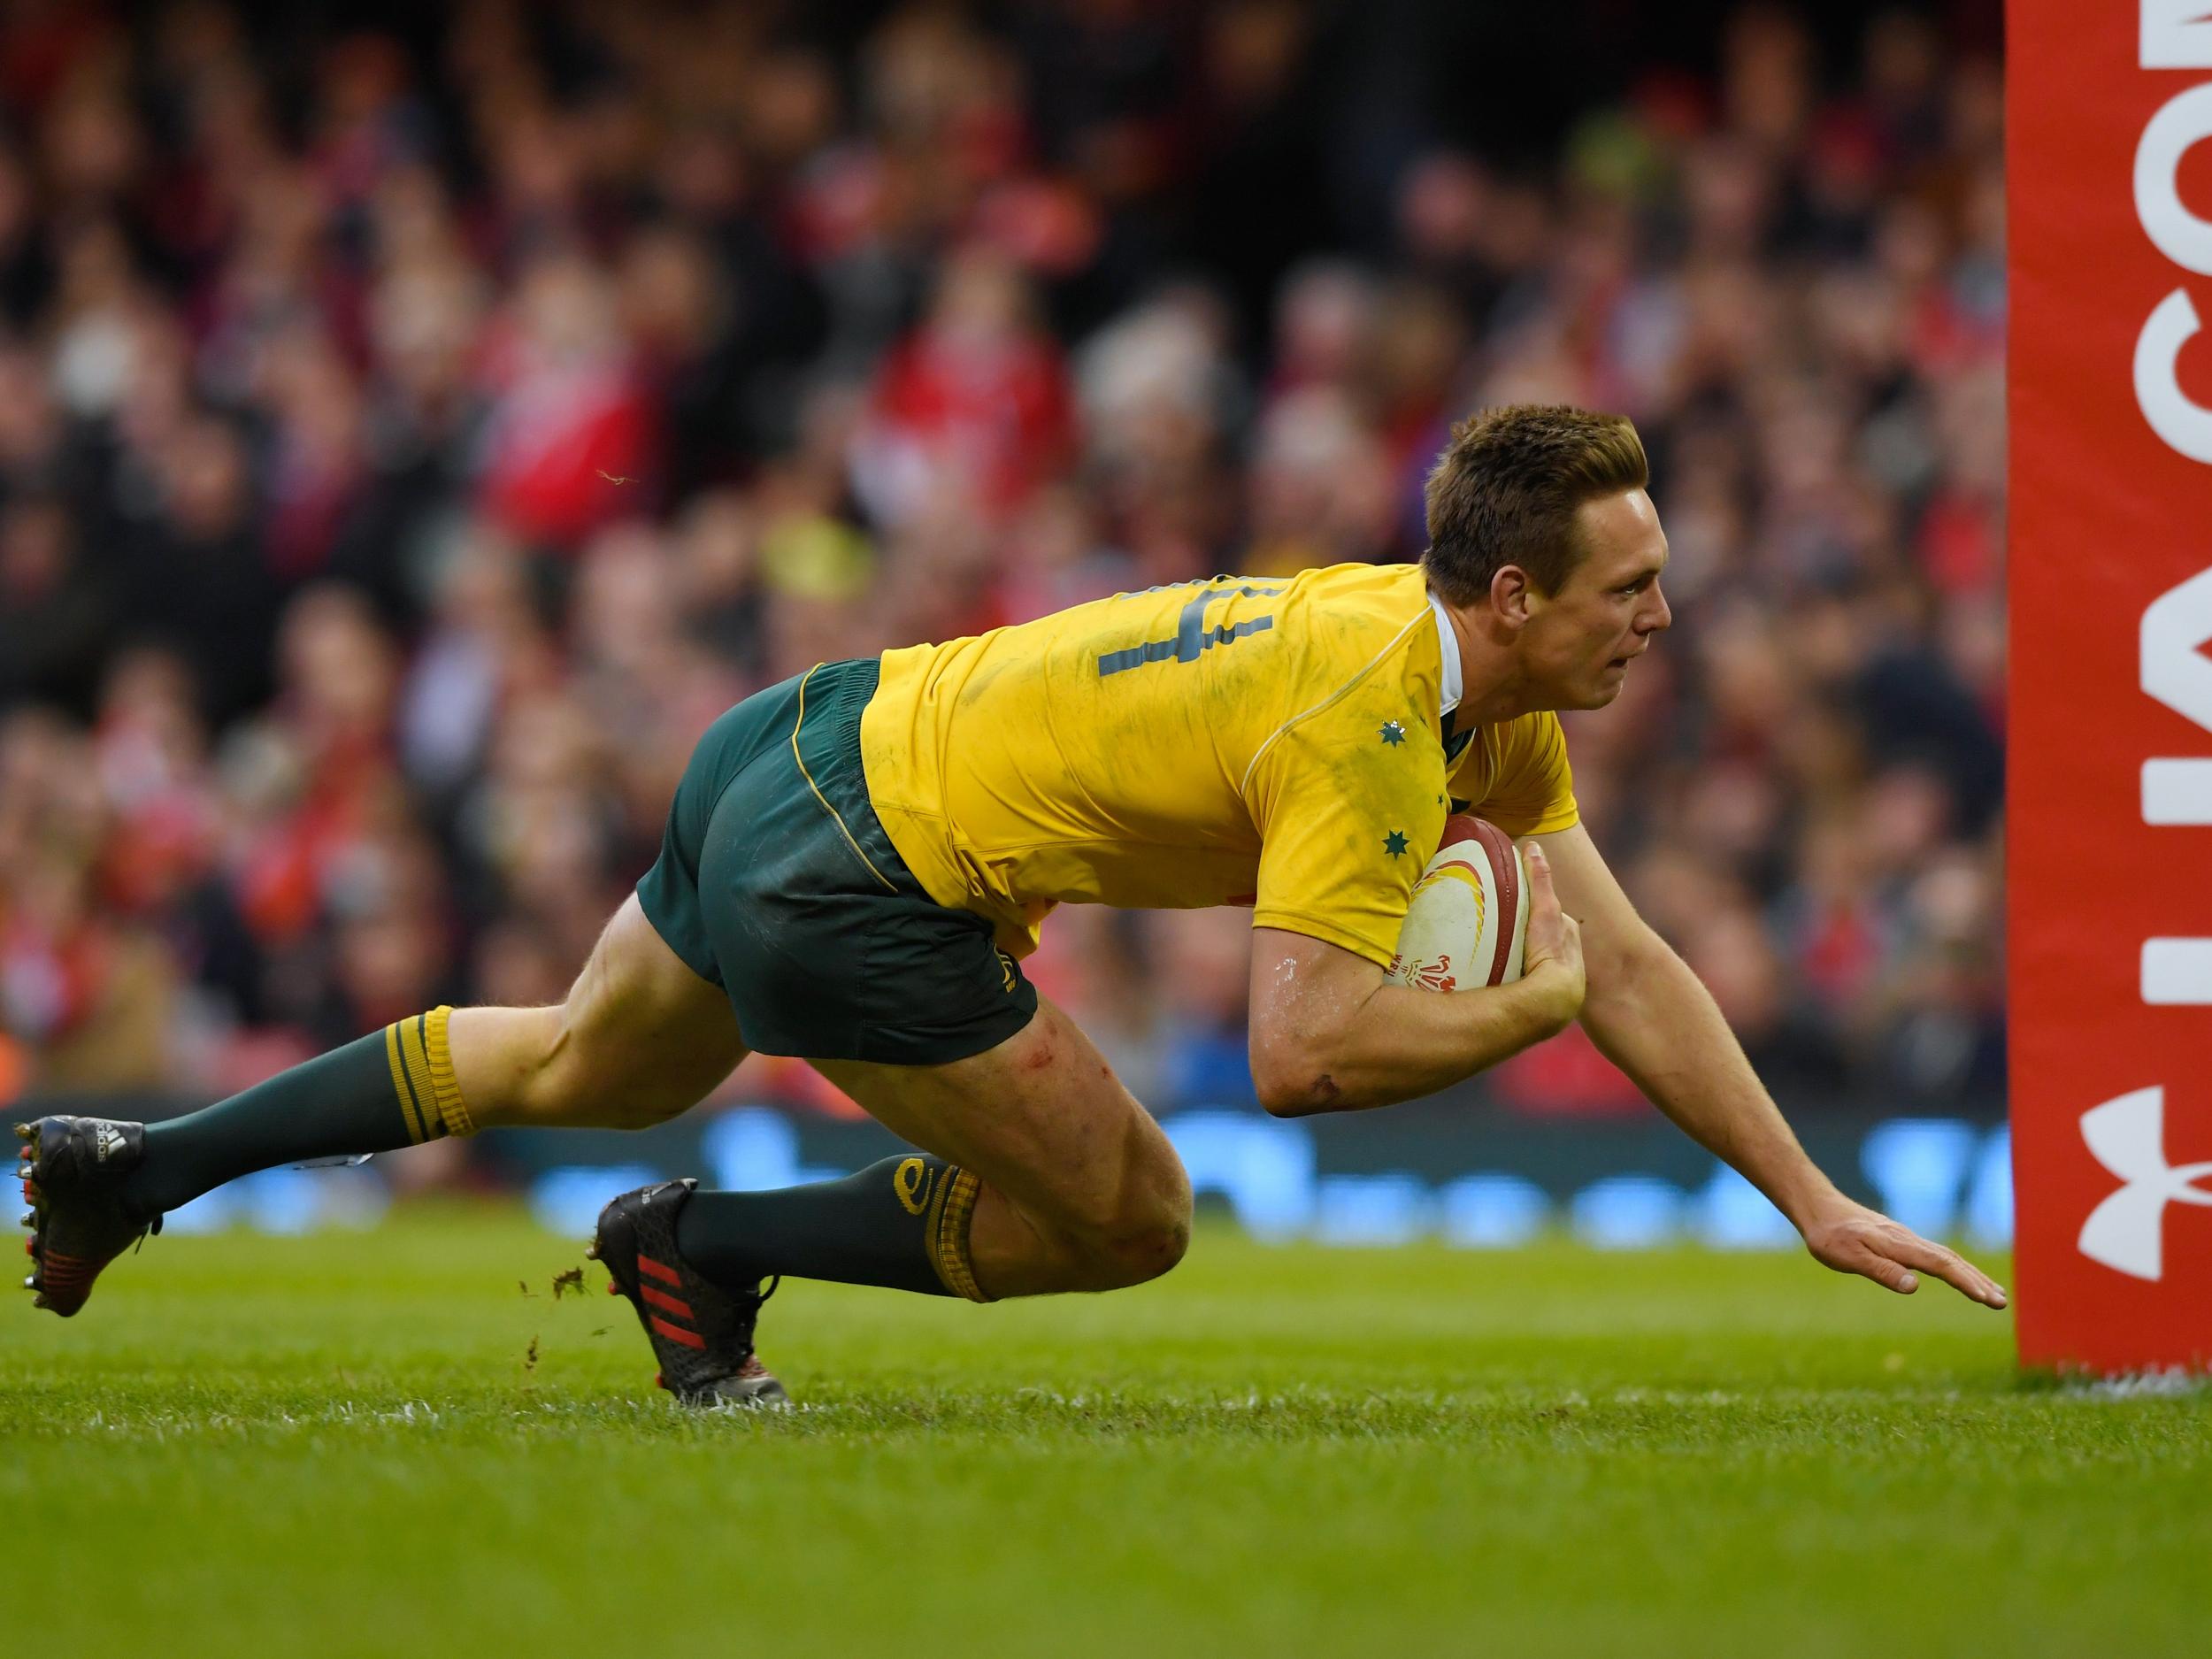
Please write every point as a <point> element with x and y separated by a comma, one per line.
<point>1579,643</point>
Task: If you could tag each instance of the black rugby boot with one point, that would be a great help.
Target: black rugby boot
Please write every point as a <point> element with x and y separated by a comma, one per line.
<point>74,1171</point>
<point>702,1335</point>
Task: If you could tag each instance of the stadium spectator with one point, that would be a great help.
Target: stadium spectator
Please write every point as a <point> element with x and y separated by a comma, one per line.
<point>409,441</point>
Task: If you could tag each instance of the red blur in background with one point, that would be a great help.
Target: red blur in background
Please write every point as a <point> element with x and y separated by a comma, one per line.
<point>413,432</point>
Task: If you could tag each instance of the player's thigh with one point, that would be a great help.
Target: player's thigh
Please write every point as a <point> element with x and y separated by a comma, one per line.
<point>639,1038</point>
<point>1043,1118</point>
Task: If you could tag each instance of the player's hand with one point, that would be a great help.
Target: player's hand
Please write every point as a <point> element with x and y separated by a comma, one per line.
<point>1853,1239</point>
<point>1552,955</point>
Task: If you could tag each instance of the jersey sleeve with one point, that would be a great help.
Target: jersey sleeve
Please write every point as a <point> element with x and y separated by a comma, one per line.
<point>1349,804</point>
<point>1531,788</point>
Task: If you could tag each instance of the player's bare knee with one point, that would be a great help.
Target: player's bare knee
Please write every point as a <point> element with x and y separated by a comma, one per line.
<point>1131,1256</point>
<point>1151,1251</point>
<point>1147,1236</point>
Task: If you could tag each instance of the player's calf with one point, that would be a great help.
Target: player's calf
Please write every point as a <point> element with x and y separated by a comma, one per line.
<point>904,1224</point>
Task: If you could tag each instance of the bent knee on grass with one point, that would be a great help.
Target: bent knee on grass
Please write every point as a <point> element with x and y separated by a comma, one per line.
<point>1127,1244</point>
<point>1136,1253</point>
<point>1151,1233</point>
<point>1083,1192</point>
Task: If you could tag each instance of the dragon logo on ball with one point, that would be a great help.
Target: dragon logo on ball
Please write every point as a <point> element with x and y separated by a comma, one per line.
<point>1435,973</point>
<point>1424,975</point>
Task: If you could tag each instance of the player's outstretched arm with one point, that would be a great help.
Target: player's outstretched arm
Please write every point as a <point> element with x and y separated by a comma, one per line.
<point>1653,1018</point>
<point>1329,1034</point>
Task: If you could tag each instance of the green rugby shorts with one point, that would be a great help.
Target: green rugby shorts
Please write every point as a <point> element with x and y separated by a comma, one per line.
<point>777,882</point>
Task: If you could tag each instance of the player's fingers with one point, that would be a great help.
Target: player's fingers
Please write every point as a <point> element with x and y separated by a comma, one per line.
<point>1949,1266</point>
<point>1860,1258</point>
<point>1895,1275</point>
<point>1540,896</point>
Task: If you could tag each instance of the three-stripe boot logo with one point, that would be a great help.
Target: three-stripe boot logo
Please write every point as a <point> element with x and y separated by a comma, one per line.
<point>2126,1232</point>
<point>668,1302</point>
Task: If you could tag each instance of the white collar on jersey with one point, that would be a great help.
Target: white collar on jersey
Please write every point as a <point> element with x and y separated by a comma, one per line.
<point>1449,643</point>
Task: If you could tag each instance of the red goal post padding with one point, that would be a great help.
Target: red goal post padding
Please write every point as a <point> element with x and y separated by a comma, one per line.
<point>2110,813</point>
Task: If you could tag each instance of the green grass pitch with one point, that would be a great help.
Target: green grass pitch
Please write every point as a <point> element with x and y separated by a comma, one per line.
<point>378,1444</point>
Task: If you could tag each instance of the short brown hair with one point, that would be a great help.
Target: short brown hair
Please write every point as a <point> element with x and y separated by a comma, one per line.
<point>1506,489</point>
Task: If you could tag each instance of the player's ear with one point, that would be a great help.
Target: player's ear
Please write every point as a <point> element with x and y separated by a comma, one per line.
<point>1510,595</point>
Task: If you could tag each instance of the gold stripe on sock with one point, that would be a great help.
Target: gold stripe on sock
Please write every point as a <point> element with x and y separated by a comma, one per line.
<point>400,1086</point>
<point>417,1064</point>
<point>444,1085</point>
<point>949,1237</point>
<point>932,1222</point>
<point>936,1207</point>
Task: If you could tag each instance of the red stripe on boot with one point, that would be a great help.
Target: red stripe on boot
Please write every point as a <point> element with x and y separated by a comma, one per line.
<point>662,1299</point>
<point>660,1270</point>
<point>676,1334</point>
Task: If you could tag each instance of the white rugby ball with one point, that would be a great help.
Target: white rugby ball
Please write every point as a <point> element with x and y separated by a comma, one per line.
<point>1468,924</point>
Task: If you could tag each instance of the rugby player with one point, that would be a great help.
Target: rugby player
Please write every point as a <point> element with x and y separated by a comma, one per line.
<point>858,860</point>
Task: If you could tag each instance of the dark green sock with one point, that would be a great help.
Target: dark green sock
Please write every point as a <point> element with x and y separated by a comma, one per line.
<point>390,1090</point>
<point>903,1224</point>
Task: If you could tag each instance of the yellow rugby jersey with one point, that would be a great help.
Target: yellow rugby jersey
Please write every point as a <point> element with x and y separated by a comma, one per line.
<point>1270,741</point>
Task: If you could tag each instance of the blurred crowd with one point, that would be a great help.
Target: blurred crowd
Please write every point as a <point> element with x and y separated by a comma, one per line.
<point>410,440</point>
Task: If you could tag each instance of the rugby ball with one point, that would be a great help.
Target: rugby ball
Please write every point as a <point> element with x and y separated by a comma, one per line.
<point>1468,924</point>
